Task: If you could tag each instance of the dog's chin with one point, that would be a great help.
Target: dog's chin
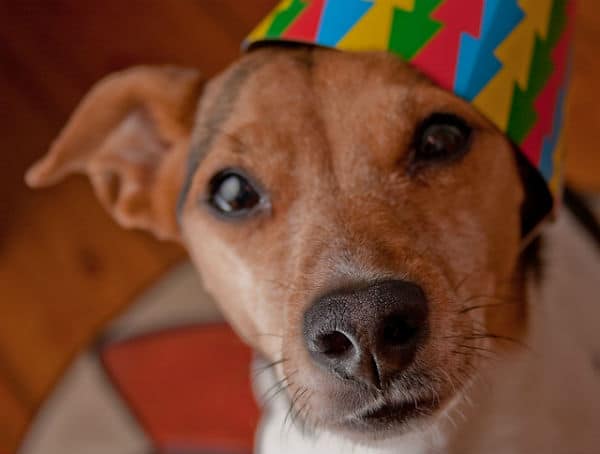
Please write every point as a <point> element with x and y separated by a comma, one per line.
<point>379,421</point>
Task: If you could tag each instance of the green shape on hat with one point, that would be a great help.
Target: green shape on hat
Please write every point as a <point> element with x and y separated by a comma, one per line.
<point>284,18</point>
<point>411,30</point>
<point>523,114</point>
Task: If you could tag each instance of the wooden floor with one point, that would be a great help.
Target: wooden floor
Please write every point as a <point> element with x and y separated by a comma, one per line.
<point>65,267</point>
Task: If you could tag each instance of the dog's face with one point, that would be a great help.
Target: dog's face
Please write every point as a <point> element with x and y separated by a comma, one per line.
<point>359,226</point>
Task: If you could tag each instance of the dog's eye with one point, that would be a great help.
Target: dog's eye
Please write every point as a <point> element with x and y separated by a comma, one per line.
<point>441,137</point>
<point>231,194</point>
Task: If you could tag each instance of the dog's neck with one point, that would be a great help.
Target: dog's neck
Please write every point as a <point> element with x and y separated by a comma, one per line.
<point>540,398</point>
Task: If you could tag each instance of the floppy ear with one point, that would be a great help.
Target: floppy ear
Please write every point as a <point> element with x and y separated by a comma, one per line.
<point>130,136</point>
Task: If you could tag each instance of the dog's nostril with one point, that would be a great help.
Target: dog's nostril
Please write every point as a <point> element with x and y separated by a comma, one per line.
<point>334,344</point>
<point>398,331</point>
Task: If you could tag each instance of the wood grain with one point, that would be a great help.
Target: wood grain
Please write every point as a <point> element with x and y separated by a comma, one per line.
<point>65,267</point>
<point>583,156</point>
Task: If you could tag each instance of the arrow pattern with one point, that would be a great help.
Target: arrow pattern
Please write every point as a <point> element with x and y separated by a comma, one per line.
<point>339,17</point>
<point>306,24</point>
<point>508,57</point>
<point>515,54</point>
<point>477,64</point>
<point>411,30</point>
<point>285,17</point>
<point>540,144</point>
<point>373,31</point>
<point>439,58</point>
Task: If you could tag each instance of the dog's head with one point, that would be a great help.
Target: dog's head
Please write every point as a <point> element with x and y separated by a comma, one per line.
<point>359,226</point>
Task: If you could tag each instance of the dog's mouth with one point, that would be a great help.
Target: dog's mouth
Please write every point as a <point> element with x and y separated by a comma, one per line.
<point>391,415</point>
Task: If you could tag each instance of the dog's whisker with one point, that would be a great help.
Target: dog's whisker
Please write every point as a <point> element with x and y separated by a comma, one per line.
<point>436,396</point>
<point>282,389</point>
<point>256,371</point>
<point>450,419</point>
<point>298,418</point>
<point>462,282</point>
<point>486,306</point>
<point>475,347</point>
<point>475,335</point>
<point>506,282</point>
<point>305,417</point>
<point>484,335</point>
<point>290,408</point>
<point>468,400</point>
<point>471,354</point>
<point>493,297</point>
<point>268,335</point>
<point>293,414</point>
<point>277,385</point>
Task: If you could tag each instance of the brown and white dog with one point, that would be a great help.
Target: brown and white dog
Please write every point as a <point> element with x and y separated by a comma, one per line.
<point>361,229</point>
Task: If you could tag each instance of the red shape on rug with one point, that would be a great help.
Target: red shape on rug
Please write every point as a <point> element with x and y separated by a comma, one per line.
<point>189,387</point>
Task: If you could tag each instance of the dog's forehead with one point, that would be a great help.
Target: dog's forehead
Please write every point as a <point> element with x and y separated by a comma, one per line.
<point>286,75</point>
<point>275,77</point>
<point>289,91</point>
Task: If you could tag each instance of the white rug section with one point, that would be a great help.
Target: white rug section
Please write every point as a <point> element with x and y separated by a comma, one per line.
<point>178,299</point>
<point>84,414</point>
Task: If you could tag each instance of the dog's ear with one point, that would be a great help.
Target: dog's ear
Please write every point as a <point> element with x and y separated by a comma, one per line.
<point>130,135</point>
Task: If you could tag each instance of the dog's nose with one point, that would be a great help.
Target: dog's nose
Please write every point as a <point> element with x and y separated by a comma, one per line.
<point>369,333</point>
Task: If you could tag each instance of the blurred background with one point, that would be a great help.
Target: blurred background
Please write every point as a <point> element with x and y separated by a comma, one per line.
<point>66,270</point>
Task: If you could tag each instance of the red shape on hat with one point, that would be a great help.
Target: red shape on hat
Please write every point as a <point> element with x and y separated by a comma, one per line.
<point>439,57</point>
<point>306,26</point>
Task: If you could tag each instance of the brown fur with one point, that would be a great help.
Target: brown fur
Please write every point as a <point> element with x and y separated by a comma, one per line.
<point>328,135</point>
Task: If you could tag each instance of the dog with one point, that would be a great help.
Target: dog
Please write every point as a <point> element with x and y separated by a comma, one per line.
<point>366,241</point>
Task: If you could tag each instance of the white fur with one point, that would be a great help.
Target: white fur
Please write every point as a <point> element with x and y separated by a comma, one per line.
<point>543,399</point>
